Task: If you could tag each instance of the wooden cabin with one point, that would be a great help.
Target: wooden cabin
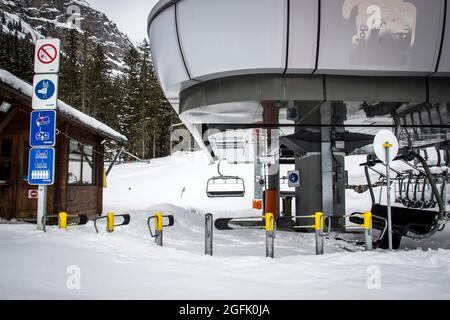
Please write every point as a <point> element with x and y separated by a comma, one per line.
<point>78,187</point>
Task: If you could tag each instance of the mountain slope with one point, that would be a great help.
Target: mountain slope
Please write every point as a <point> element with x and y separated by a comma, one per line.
<point>53,18</point>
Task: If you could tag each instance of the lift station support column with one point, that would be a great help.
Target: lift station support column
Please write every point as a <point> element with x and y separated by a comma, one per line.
<point>272,194</point>
<point>322,175</point>
<point>258,171</point>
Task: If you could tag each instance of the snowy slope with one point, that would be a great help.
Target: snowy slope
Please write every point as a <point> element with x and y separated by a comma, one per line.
<point>128,264</point>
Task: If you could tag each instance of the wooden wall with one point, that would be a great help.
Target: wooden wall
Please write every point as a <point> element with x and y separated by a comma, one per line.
<point>73,199</point>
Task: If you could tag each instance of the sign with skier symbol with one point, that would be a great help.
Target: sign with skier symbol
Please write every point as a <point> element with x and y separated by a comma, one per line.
<point>294,179</point>
<point>41,166</point>
<point>45,92</point>
<point>43,128</point>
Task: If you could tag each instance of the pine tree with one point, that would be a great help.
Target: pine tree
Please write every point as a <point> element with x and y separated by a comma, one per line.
<point>130,111</point>
<point>99,84</point>
<point>70,70</point>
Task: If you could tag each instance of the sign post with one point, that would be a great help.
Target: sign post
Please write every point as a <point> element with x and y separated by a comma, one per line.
<point>386,148</point>
<point>41,169</point>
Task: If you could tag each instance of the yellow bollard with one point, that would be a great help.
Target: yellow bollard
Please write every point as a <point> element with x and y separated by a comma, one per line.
<point>318,217</point>
<point>105,183</point>
<point>110,222</point>
<point>270,222</point>
<point>62,221</point>
<point>318,226</point>
<point>367,220</point>
<point>159,228</point>
<point>368,230</point>
<point>159,221</point>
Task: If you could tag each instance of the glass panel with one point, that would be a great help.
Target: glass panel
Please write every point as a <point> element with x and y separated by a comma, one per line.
<point>5,148</point>
<point>81,163</point>
<point>75,162</point>
<point>5,172</point>
<point>87,173</point>
<point>88,164</point>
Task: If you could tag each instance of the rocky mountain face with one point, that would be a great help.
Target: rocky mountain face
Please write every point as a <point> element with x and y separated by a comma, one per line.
<point>53,18</point>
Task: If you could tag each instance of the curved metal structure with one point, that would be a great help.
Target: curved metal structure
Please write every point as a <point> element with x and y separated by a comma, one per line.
<point>311,72</point>
<point>209,55</point>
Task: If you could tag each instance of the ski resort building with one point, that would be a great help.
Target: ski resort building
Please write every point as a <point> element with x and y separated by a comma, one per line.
<point>78,187</point>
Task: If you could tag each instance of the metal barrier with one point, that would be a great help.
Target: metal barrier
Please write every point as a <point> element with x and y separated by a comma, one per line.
<point>318,226</point>
<point>110,221</point>
<point>63,219</point>
<point>266,223</point>
<point>366,226</point>
<point>159,226</point>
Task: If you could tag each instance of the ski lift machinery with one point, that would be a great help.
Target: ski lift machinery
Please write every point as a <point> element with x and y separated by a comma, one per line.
<point>222,186</point>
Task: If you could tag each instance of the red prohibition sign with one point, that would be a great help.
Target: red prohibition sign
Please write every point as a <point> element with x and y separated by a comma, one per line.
<point>45,56</point>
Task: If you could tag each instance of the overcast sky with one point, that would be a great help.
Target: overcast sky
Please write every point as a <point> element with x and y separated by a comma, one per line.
<point>129,15</point>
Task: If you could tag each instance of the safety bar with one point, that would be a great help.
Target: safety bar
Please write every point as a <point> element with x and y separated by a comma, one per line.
<point>319,222</point>
<point>159,226</point>
<point>63,220</point>
<point>268,224</point>
<point>110,221</point>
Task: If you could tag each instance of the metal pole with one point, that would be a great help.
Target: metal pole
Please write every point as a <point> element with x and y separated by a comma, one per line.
<point>270,234</point>
<point>319,243</point>
<point>42,207</point>
<point>209,234</point>
<point>368,225</point>
<point>318,226</point>
<point>159,237</point>
<point>270,243</point>
<point>388,196</point>
<point>368,239</point>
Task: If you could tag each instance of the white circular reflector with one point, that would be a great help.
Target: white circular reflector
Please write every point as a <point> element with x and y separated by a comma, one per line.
<point>382,139</point>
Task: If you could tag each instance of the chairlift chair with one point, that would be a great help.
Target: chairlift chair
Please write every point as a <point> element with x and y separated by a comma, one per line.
<point>222,186</point>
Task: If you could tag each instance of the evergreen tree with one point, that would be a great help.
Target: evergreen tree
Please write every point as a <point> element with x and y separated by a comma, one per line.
<point>70,70</point>
<point>99,84</point>
<point>130,111</point>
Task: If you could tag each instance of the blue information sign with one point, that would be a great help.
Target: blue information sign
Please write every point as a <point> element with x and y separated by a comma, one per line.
<point>42,129</point>
<point>41,166</point>
<point>45,89</point>
<point>293,177</point>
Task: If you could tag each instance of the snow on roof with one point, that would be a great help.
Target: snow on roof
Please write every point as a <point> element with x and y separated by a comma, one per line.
<point>63,108</point>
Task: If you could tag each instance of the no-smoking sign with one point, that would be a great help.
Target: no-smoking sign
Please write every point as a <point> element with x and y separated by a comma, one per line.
<point>47,56</point>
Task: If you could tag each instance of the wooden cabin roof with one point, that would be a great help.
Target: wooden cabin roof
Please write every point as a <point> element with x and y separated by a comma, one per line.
<point>25,89</point>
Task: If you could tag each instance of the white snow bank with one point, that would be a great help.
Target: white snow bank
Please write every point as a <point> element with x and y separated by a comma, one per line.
<point>127,264</point>
<point>63,108</point>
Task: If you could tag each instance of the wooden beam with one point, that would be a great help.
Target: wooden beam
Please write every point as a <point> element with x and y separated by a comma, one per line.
<point>7,120</point>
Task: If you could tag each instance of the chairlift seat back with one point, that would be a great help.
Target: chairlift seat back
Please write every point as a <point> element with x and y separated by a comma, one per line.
<point>225,187</point>
<point>419,221</point>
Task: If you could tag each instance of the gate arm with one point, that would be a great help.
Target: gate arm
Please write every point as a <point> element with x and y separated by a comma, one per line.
<point>171,221</point>
<point>126,220</point>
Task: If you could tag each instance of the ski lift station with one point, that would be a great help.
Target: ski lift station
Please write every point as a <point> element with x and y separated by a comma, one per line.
<point>306,83</point>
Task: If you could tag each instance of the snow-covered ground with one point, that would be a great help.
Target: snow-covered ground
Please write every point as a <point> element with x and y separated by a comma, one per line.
<point>128,264</point>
